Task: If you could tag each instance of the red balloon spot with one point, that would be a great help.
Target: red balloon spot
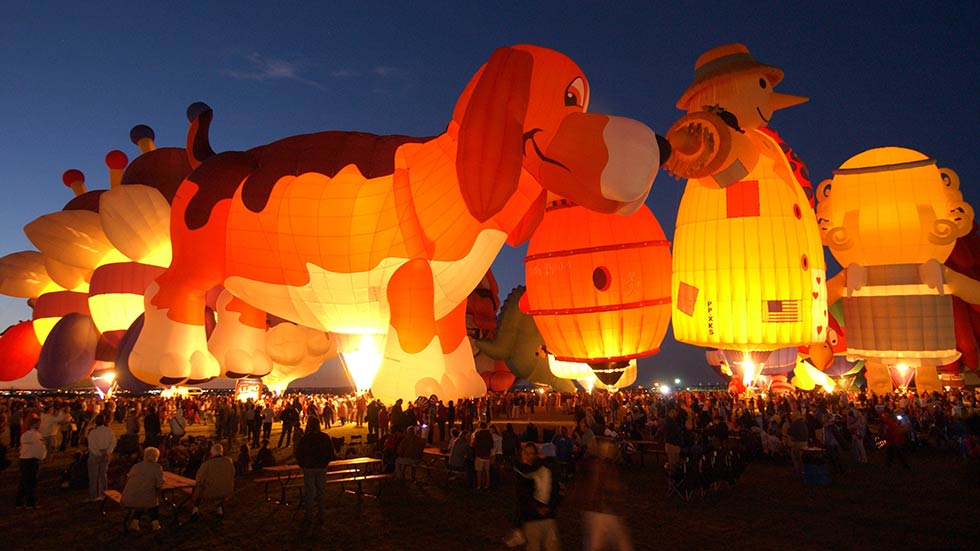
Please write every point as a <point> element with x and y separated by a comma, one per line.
<point>797,212</point>
<point>71,176</point>
<point>116,160</point>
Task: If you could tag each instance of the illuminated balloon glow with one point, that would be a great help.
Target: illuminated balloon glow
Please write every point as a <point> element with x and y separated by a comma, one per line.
<point>360,234</point>
<point>296,352</point>
<point>891,218</point>
<point>748,267</point>
<point>598,286</point>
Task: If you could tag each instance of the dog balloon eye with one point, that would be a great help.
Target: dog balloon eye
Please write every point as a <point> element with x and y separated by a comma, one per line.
<point>575,94</point>
<point>762,83</point>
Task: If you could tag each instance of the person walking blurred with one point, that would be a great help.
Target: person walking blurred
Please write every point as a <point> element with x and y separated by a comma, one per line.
<point>537,500</point>
<point>600,495</point>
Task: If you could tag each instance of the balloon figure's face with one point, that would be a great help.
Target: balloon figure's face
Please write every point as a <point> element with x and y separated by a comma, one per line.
<point>748,96</point>
<point>524,115</point>
<point>891,206</point>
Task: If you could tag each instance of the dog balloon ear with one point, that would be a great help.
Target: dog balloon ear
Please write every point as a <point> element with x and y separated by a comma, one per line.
<point>491,143</point>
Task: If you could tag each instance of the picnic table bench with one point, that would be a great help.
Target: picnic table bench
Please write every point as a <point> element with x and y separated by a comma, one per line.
<point>173,485</point>
<point>354,471</point>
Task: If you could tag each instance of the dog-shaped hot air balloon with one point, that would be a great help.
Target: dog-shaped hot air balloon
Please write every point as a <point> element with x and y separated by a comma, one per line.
<point>383,235</point>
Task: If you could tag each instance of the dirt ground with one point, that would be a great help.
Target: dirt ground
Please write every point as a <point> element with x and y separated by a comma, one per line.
<point>932,505</point>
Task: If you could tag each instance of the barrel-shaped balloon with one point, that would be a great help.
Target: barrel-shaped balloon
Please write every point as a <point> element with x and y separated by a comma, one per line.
<point>68,354</point>
<point>598,285</point>
<point>19,351</point>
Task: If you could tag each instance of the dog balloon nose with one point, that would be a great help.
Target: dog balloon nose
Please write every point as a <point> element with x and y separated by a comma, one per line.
<point>634,159</point>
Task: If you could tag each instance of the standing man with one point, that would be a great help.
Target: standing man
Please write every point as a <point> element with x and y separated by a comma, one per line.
<point>314,452</point>
<point>373,409</point>
<point>360,404</point>
<point>101,443</point>
<point>32,452</point>
<point>482,449</point>
<point>290,420</point>
<point>268,416</point>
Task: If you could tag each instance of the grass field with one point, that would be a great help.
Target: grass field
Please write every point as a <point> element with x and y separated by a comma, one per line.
<point>932,505</point>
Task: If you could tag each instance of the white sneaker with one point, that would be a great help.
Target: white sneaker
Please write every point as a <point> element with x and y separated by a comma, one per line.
<point>134,525</point>
<point>516,538</point>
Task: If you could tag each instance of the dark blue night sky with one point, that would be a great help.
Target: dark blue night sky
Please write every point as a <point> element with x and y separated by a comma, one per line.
<point>77,76</point>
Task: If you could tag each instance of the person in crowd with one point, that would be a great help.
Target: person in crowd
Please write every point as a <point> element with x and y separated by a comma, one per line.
<point>178,426</point>
<point>290,420</point>
<point>264,458</point>
<point>384,419</point>
<point>409,453</point>
<point>65,427</point>
<point>142,489</point>
<point>537,500</point>
<point>602,499</point>
<point>360,409</point>
<point>799,437</point>
<point>243,464</point>
<point>15,421</point>
<point>371,415</point>
<point>50,420</point>
<point>32,452</point>
<point>151,426</point>
<point>101,444</point>
<point>672,433</point>
<point>268,417</point>
<point>857,425</point>
<point>314,452</point>
<point>482,451</point>
<point>132,422</point>
<point>894,438</point>
<point>215,482</point>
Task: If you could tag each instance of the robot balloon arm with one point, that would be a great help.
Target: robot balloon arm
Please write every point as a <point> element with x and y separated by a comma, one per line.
<point>962,286</point>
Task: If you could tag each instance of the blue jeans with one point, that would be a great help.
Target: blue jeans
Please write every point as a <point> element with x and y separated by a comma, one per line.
<point>314,488</point>
<point>98,472</point>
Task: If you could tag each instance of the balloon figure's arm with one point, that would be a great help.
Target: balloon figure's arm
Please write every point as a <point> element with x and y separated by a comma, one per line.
<point>836,286</point>
<point>966,288</point>
<point>703,144</point>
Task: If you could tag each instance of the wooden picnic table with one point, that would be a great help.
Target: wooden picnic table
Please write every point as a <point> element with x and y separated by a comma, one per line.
<point>358,467</point>
<point>644,447</point>
<point>173,485</point>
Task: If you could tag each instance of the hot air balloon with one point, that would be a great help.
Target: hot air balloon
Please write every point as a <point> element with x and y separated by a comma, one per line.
<point>748,267</point>
<point>19,351</point>
<point>412,226</point>
<point>598,286</point>
<point>891,217</point>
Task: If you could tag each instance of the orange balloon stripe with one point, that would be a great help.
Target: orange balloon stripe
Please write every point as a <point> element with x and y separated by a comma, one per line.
<point>595,309</point>
<point>609,359</point>
<point>597,249</point>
